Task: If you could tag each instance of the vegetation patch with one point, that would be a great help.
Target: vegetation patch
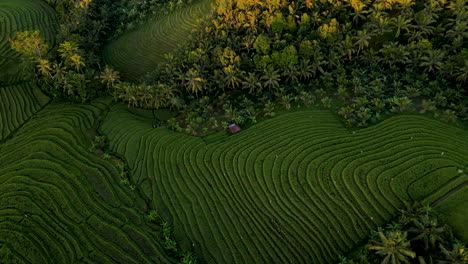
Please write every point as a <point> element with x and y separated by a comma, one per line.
<point>415,236</point>
<point>299,187</point>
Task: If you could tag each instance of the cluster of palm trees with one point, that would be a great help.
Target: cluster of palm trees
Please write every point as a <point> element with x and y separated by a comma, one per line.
<point>417,237</point>
<point>270,48</point>
<point>257,48</point>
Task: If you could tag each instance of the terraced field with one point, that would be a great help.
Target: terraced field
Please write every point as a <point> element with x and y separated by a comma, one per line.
<point>20,99</point>
<point>299,188</point>
<point>139,51</point>
<point>21,15</point>
<point>18,103</point>
<point>60,203</point>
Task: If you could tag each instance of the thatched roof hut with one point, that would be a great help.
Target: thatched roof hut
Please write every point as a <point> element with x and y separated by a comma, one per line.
<point>234,128</point>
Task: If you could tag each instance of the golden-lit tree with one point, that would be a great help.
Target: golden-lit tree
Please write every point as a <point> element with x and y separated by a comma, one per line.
<point>29,43</point>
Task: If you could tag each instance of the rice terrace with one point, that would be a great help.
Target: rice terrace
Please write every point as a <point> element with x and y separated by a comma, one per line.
<point>233,131</point>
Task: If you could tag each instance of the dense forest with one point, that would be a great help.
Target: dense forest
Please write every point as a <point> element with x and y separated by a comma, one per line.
<point>363,59</point>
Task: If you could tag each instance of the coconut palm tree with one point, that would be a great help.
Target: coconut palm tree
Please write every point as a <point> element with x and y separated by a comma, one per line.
<point>109,76</point>
<point>317,62</point>
<point>359,12</point>
<point>458,255</point>
<point>291,74</point>
<point>194,82</point>
<point>400,23</point>
<point>231,78</point>
<point>305,70</point>
<point>347,47</point>
<point>271,78</point>
<point>44,67</point>
<point>462,73</point>
<point>77,62</point>
<point>423,20</point>
<point>252,82</point>
<point>394,247</point>
<point>433,60</point>
<point>362,39</point>
<point>428,231</point>
<point>176,102</point>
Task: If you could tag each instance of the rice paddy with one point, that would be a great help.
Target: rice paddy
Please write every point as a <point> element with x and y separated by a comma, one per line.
<point>138,52</point>
<point>299,188</point>
<point>18,103</point>
<point>60,203</point>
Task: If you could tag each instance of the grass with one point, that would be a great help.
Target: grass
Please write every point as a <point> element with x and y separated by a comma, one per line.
<point>61,203</point>
<point>298,188</point>
<point>22,15</point>
<point>140,51</point>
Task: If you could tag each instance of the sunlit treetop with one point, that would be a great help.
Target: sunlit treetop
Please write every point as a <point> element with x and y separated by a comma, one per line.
<point>29,43</point>
<point>83,3</point>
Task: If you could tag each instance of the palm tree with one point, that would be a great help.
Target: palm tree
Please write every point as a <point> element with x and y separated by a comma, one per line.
<point>459,30</point>
<point>77,62</point>
<point>405,4</point>
<point>347,47</point>
<point>44,67</point>
<point>401,23</point>
<point>252,82</point>
<point>380,23</point>
<point>362,39</point>
<point>109,76</point>
<point>317,62</point>
<point>413,211</point>
<point>291,74</point>
<point>394,247</point>
<point>359,12</point>
<point>462,73</point>
<point>427,231</point>
<point>305,70</point>
<point>176,102</point>
<point>59,71</point>
<point>271,78</point>
<point>423,20</point>
<point>68,48</point>
<point>433,61</point>
<point>458,255</point>
<point>394,53</point>
<point>194,82</point>
<point>230,77</point>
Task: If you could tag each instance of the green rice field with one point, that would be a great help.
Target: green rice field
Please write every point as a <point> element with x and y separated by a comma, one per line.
<point>299,188</point>
<point>59,203</point>
<point>139,51</point>
<point>18,103</point>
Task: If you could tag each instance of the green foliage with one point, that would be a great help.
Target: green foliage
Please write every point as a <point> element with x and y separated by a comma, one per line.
<point>262,44</point>
<point>390,50</point>
<point>30,43</point>
<point>393,247</point>
<point>188,258</point>
<point>416,237</point>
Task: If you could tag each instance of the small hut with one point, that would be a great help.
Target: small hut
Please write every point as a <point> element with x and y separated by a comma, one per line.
<point>234,128</point>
